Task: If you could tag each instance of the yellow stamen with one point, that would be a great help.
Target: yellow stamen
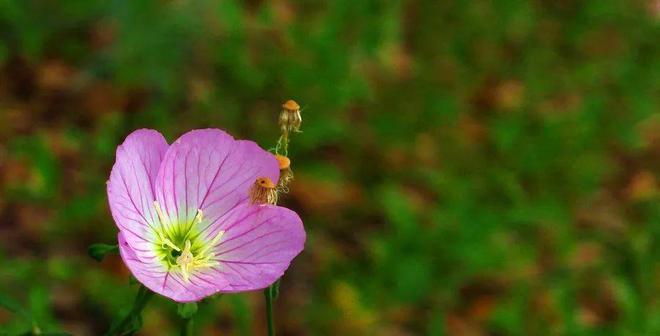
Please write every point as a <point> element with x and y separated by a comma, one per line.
<point>205,263</point>
<point>217,238</point>
<point>159,211</point>
<point>161,236</point>
<point>199,216</point>
<point>169,243</point>
<point>211,244</point>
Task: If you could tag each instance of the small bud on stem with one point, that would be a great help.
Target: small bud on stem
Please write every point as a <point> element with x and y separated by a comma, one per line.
<point>263,191</point>
<point>290,121</point>
<point>286,174</point>
<point>283,161</point>
<point>290,118</point>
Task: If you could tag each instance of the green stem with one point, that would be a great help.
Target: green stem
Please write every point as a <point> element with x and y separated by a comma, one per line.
<point>282,144</point>
<point>268,292</point>
<point>276,289</point>
<point>187,327</point>
<point>141,300</point>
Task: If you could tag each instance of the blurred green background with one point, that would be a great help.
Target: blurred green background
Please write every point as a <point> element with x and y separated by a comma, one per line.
<point>465,168</point>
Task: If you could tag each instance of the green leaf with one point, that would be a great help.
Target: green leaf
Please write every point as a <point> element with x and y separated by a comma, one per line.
<point>99,251</point>
<point>10,304</point>
<point>187,310</point>
<point>13,306</point>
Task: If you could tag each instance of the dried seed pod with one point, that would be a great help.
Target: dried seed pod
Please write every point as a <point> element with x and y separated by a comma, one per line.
<point>283,161</point>
<point>290,118</point>
<point>263,191</point>
<point>286,174</point>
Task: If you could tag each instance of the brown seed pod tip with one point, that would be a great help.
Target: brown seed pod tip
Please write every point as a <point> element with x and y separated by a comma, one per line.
<point>291,105</point>
<point>265,182</point>
<point>283,161</point>
<point>263,191</point>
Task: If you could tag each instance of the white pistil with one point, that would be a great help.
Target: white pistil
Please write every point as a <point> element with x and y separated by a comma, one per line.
<point>185,261</point>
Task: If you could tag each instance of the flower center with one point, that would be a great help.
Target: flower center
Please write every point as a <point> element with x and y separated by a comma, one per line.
<point>181,247</point>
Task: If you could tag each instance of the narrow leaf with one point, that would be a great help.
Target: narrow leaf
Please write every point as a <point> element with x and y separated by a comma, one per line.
<point>99,251</point>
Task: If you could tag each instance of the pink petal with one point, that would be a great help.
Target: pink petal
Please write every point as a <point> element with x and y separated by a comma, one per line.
<point>156,277</point>
<point>258,245</point>
<point>209,170</point>
<point>131,184</point>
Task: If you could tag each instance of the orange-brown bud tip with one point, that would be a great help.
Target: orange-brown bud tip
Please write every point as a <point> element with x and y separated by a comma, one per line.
<point>283,161</point>
<point>291,105</point>
<point>265,182</point>
<point>263,191</point>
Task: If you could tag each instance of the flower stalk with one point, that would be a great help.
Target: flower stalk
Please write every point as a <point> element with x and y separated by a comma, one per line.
<point>187,327</point>
<point>133,319</point>
<point>187,311</point>
<point>290,121</point>
<point>269,293</point>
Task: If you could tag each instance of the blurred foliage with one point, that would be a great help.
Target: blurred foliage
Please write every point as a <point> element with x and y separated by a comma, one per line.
<point>465,168</point>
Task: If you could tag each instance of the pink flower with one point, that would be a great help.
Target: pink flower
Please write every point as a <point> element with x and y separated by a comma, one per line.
<point>186,227</point>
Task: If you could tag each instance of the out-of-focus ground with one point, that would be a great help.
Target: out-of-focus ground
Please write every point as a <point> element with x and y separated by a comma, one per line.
<point>465,168</point>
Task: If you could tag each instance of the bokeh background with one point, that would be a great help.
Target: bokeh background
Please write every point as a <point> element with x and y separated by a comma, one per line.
<point>465,167</point>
